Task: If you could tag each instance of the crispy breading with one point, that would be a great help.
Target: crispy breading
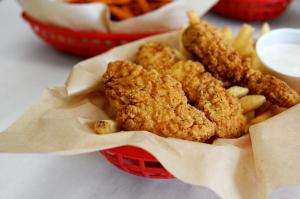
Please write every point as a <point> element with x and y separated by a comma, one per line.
<point>275,90</point>
<point>147,100</point>
<point>156,53</point>
<point>203,90</point>
<point>206,43</point>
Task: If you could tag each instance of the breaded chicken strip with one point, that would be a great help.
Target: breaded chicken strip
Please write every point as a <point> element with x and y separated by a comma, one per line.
<point>275,90</point>
<point>146,100</point>
<point>206,43</point>
<point>203,91</point>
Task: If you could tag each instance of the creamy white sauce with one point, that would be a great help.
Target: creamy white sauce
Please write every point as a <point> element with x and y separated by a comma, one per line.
<point>283,58</point>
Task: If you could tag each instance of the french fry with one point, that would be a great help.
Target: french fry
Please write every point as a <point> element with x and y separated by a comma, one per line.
<point>156,5</point>
<point>252,102</point>
<point>105,126</point>
<point>265,28</point>
<point>238,91</point>
<point>228,34</point>
<point>250,115</point>
<point>245,33</point>
<point>113,2</point>
<point>193,17</point>
<point>120,13</point>
<point>144,5</point>
<point>125,9</point>
<point>256,63</point>
<point>262,117</point>
<point>247,48</point>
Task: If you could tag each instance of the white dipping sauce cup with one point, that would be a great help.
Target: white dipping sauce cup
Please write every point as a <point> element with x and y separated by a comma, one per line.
<point>280,36</point>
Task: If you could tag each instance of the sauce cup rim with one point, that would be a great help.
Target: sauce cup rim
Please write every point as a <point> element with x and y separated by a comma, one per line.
<point>260,45</point>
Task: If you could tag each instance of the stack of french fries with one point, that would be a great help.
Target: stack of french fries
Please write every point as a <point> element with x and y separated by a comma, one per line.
<point>244,43</point>
<point>125,9</point>
<point>256,108</point>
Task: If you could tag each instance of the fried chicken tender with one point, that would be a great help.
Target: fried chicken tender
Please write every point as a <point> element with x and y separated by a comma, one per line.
<point>203,90</point>
<point>275,90</point>
<point>147,100</point>
<point>206,43</point>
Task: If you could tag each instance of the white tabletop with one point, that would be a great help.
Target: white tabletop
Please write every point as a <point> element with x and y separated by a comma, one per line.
<point>27,67</point>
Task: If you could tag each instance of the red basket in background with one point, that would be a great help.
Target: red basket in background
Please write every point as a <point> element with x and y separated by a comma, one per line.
<point>136,161</point>
<point>251,10</point>
<point>82,43</point>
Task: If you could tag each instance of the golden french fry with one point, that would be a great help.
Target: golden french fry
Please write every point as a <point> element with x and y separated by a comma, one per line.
<point>247,48</point>
<point>250,115</point>
<point>193,17</point>
<point>227,34</point>
<point>244,43</point>
<point>245,33</point>
<point>256,63</point>
<point>238,91</point>
<point>265,28</point>
<point>262,117</point>
<point>105,126</point>
<point>252,102</point>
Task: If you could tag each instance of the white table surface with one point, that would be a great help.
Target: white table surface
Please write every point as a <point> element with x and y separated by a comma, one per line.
<point>27,67</point>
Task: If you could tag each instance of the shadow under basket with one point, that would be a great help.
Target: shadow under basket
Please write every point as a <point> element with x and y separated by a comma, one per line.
<point>136,161</point>
<point>80,43</point>
<point>251,10</point>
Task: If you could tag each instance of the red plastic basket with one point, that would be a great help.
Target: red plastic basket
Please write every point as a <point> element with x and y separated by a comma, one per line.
<point>82,43</point>
<point>251,10</point>
<point>136,161</point>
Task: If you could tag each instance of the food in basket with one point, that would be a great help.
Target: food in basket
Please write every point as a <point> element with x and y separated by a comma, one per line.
<point>203,90</point>
<point>252,102</point>
<point>217,91</point>
<point>147,100</point>
<point>125,9</point>
<point>207,44</point>
<point>105,126</point>
<point>238,91</point>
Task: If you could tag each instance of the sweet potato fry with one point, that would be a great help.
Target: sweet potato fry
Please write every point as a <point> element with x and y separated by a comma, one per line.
<point>125,9</point>
<point>120,13</point>
<point>144,5</point>
<point>155,5</point>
